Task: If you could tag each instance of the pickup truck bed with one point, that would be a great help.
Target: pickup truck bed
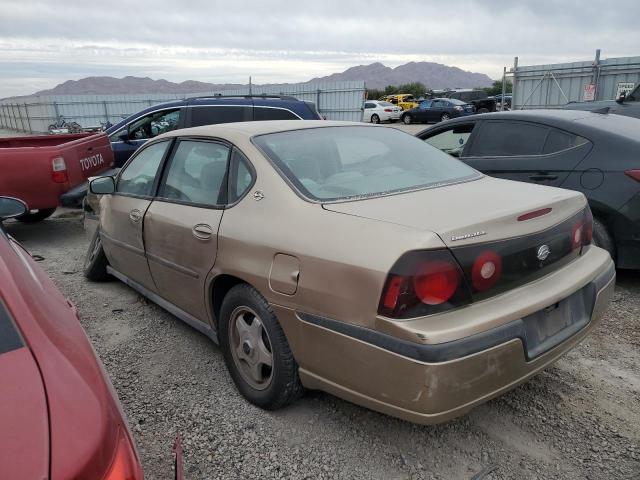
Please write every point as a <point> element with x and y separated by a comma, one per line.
<point>45,171</point>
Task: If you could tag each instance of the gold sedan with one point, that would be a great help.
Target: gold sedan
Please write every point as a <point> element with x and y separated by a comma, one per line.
<point>354,259</point>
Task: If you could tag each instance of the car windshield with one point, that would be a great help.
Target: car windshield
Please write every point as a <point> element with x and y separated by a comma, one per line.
<point>336,163</point>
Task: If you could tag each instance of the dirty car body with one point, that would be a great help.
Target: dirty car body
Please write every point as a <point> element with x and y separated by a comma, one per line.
<point>396,277</point>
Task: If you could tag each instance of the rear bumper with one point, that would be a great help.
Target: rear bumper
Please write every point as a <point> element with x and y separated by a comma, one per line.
<point>432,383</point>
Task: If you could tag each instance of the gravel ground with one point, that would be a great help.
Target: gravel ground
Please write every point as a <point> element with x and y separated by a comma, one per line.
<point>579,419</point>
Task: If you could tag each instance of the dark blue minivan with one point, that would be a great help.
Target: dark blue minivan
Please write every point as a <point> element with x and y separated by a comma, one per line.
<point>129,134</point>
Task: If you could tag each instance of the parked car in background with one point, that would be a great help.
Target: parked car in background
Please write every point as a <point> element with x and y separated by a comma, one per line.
<point>405,101</point>
<point>500,100</point>
<point>596,154</point>
<point>305,251</point>
<point>437,110</point>
<point>627,105</point>
<point>129,134</point>
<point>60,415</point>
<point>48,170</point>
<point>478,98</point>
<point>376,111</point>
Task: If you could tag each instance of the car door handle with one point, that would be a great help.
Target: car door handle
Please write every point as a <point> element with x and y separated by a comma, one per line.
<point>202,231</point>
<point>543,176</point>
<point>135,215</point>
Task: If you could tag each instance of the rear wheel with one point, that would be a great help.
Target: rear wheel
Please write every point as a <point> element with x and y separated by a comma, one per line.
<point>445,117</point>
<point>603,239</point>
<point>406,119</point>
<point>256,350</point>
<point>95,263</point>
<point>36,215</point>
<point>375,118</point>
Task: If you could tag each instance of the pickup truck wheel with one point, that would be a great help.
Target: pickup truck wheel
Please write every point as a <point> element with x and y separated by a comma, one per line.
<point>37,215</point>
<point>483,110</point>
<point>256,350</point>
<point>95,263</point>
<point>602,238</point>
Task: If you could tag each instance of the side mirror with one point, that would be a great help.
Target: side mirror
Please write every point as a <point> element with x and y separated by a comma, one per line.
<point>12,207</point>
<point>102,185</point>
<point>124,136</point>
<point>622,97</point>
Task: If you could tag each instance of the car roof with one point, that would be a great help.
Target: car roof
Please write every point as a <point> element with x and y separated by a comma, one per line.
<point>574,120</point>
<point>252,129</point>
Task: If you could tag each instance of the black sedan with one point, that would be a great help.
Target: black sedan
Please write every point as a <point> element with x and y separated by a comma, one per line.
<point>437,110</point>
<point>594,153</point>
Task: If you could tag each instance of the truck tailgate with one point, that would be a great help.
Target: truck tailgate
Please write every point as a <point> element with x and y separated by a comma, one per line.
<point>86,157</point>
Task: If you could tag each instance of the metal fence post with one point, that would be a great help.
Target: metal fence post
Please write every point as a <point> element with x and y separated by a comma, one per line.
<point>504,88</point>
<point>596,74</point>
<point>106,112</point>
<point>515,82</point>
<point>26,111</point>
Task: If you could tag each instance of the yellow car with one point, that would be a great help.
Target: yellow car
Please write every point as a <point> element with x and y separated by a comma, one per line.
<point>405,101</point>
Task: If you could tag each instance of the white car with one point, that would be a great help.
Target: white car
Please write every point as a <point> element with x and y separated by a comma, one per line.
<point>376,111</point>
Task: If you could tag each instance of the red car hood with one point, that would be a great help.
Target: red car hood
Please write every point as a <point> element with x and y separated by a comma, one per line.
<point>24,442</point>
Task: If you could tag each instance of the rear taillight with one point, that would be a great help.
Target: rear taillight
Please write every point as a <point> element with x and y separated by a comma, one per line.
<point>388,110</point>
<point>421,283</point>
<point>635,174</point>
<point>59,170</point>
<point>486,270</point>
<point>125,464</point>
<point>582,231</point>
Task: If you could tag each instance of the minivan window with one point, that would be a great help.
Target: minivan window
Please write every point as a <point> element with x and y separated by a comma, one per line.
<point>139,175</point>
<point>153,124</point>
<point>335,163</point>
<point>264,113</point>
<point>509,139</point>
<point>212,114</point>
<point>196,173</point>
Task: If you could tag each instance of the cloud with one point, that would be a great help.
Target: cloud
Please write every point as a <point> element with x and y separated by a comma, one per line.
<point>280,41</point>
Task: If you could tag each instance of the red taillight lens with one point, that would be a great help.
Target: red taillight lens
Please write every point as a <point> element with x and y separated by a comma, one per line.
<point>435,282</point>
<point>635,174</point>
<point>486,270</point>
<point>125,464</point>
<point>587,229</point>
<point>388,110</point>
<point>59,170</point>
<point>576,235</point>
<point>421,283</point>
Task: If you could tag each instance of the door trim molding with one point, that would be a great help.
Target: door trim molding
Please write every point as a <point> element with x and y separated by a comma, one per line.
<point>187,318</point>
<point>121,244</point>
<point>174,266</point>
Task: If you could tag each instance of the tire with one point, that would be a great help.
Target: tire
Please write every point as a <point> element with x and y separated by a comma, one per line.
<point>95,263</point>
<point>444,117</point>
<point>271,387</point>
<point>375,118</point>
<point>406,119</point>
<point>483,110</point>
<point>603,239</point>
<point>51,128</point>
<point>36,216</point>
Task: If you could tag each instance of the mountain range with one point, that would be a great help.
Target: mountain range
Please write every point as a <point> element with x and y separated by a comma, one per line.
<point>375,75</point>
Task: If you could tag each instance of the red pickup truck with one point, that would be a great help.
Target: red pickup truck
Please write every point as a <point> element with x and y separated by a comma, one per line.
<point>49,170</point>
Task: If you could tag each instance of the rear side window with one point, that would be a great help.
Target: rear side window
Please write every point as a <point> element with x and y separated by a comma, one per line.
<point>369,105</point>
<point>557,141</point>
<point>212,114</point>
<point>197,173</point>
<point>264,113</point>
<point>139,175</point>
<point>241,176</point>
<point>509,139</point>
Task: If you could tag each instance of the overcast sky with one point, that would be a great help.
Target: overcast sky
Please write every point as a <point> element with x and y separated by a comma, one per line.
<point>43,43</point>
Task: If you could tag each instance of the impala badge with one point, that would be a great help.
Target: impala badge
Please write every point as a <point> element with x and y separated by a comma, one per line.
<point>464,236</point>
<point>543,252</point>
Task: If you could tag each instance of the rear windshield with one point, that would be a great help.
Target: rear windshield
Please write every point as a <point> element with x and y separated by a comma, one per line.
<point>336,163</point>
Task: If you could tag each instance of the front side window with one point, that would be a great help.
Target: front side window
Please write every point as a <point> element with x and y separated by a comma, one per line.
<point>509,139</point>
<point>425,105</point>
<point>453,140</point>
<point>154,124</point>
<point>197,173</point>
<point>335,163</point>
<point>139,175</point>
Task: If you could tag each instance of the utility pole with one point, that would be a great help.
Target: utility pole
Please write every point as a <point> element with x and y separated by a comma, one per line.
<point>504,87</point>
<point>249,84</point>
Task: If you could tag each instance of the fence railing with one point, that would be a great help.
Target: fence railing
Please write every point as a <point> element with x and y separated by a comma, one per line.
<point>335,101</point>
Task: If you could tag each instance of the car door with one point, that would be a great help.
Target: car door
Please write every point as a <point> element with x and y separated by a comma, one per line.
<point>436,110</point>
<point>369,107</point>
<point>129,138</point>
<point>526,151</point>
<point>421,113</point>
<point>181,225</point>
<point>122,213</point>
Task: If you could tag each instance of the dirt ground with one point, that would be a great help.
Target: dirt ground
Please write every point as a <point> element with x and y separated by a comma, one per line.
<point>578,419</point>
